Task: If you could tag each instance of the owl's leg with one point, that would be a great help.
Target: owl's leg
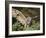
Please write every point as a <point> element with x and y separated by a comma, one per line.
<point>25,26</point>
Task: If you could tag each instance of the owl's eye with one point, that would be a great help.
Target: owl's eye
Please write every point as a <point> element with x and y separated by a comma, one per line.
<point>17,14</point>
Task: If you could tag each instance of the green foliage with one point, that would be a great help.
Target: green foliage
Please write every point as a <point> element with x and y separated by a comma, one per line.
<point>17,26</point>
<point>34,26</point>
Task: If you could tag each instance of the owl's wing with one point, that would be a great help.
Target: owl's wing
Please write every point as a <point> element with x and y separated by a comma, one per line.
<point>19,16</point>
